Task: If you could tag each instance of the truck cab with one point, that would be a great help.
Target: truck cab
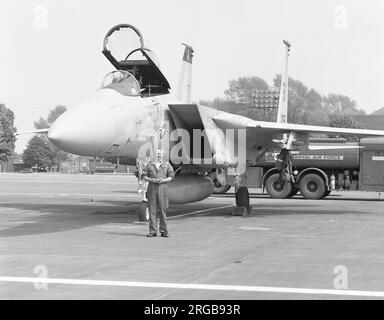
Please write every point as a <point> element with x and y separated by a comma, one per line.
<point>371,173</point>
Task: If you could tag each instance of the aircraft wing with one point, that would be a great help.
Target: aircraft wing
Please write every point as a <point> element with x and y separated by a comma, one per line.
<point>258,134</point>
<point>262,133</point>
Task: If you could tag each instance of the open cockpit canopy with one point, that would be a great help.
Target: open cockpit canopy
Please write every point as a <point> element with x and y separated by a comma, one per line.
<point>124,47</point>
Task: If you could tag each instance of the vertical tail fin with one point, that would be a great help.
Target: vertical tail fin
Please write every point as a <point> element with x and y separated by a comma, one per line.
<point>183,90</point>
<point>282,114</point>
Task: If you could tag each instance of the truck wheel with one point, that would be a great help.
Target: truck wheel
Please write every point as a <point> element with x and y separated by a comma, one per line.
<point>221,189</point>
<point>312,186</point>
<point>242,197</point>
<point>278,189</point>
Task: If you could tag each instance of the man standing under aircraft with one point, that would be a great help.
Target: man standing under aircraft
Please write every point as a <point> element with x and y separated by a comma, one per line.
<point>158,174</point>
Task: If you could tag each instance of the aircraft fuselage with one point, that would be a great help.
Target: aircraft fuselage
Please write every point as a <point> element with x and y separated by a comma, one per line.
<point>110,124</point>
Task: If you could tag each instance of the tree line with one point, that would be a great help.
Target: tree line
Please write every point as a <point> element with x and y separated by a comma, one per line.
<point>40,152</point>
<point>305,105</point>
<point>7,133</point>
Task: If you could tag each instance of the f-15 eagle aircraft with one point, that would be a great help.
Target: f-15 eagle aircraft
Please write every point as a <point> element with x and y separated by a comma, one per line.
<point>134,113</point>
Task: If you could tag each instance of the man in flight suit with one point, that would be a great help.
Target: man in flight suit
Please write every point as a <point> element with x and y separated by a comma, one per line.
<point>158,174</point>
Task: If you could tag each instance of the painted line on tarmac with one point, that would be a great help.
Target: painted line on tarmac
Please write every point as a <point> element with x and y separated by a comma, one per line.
<point>73,182</point>
<point>195,286</point>
<point>63,194</point>
<point>199,211</point>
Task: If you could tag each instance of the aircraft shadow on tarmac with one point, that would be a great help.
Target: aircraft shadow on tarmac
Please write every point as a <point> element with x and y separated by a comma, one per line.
<point>337,197</point>
<point>125,191</point>
<point>54,217</point>
<point>266,196</point>
<point>62,217</point>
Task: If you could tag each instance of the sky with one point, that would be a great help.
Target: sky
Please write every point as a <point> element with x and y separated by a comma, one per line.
<point>53,48</point>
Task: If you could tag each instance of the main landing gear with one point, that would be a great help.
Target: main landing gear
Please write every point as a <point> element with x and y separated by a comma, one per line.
<point>281,185</point>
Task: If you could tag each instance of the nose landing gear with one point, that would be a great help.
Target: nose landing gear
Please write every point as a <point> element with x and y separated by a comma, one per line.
<point>142,190</point>
<point>143,212</point>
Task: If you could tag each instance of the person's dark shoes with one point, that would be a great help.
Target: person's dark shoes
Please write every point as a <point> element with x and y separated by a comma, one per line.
<point>165,235</point>
<point>150,235</point>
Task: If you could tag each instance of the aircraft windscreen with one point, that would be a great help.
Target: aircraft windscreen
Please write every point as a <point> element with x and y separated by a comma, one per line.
<point>122,82</point>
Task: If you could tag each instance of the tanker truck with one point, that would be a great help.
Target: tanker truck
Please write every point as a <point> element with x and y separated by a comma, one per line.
<point>326,165</point>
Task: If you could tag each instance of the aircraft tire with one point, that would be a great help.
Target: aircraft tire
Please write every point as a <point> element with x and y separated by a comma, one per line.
<point>218,188</point>
<point>276,189</point>
<point>242,197</point>
<point>312,186</point>
<point>221,189</point>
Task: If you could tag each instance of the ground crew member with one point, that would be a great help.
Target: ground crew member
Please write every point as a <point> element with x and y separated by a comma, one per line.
<point>158,174</point>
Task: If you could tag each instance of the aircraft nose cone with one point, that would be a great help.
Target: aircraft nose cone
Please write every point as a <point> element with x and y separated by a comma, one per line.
<point>83,131</point>
<point>96,125</point>
<point>56,135</point>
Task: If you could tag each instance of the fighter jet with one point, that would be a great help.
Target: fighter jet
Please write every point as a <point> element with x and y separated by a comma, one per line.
<point>134,113</point>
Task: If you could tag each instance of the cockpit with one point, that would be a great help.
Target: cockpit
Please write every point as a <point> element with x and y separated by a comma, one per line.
<point>124,47</point>
<point>123,82</point>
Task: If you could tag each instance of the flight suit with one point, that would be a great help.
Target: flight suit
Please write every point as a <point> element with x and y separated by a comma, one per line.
<point>157,195</point>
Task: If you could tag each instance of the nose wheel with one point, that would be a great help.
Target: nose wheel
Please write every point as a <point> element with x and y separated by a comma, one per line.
<point>143,212</point>
<point>142,190</point>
